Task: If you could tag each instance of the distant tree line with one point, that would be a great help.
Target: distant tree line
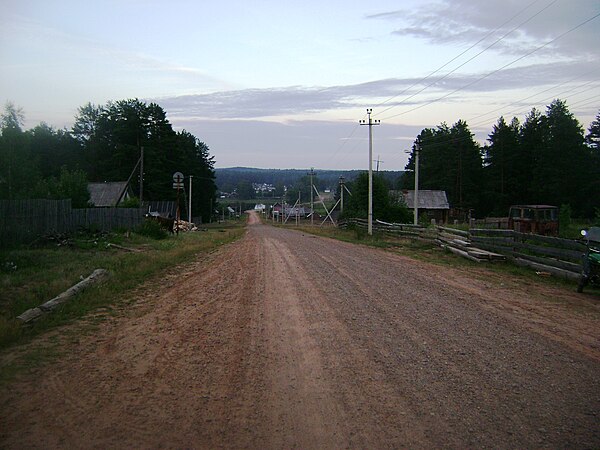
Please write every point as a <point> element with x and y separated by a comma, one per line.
<point>385,206</point>
<point>546,160</point>
<point>103,145</point>
<point>240,179</point>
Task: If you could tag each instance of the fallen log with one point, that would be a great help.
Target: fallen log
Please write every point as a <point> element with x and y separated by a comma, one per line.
<point>462,253</point>
<point>569,275</point>
<point>120,247</point>
<point>34,313</point>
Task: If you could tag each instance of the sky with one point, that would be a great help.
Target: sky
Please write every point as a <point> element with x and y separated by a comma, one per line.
<point>284,84</point>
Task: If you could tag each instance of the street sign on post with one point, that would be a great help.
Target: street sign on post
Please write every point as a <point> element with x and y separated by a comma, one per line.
<point>178,177</point>
<point>177,184</point>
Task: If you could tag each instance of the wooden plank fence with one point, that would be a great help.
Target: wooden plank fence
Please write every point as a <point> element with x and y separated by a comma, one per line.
<point>23,221</point>
<point>560,257</point>
<point>393,229</point>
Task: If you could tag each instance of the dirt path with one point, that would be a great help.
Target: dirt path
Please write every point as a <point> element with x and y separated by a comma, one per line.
<point>284,340</point>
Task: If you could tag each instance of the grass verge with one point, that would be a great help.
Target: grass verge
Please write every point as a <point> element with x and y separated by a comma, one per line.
<point>430,252</point>
<point>31,276</point>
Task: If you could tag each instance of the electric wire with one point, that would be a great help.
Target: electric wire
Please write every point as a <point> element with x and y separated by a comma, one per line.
<point>585,102</point>
<point>345,141</point>
<point>447,63</point>
<point>473,57</point>
<point>454,58</point>
<point>495,71</point>
<point>518,111</point>
<point>551,88</point>
<point>489,74</point>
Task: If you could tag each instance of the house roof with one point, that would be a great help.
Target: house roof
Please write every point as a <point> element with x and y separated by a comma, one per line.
<point>108,193</point>
<point>427,199</point>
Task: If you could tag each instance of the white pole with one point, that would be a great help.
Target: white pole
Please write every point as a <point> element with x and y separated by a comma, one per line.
<point>312,203</point>
<point>190,202</point>
<point>370,205</point>
<point>370,217</point>
<point>342,194</point>
<point>417,151</point>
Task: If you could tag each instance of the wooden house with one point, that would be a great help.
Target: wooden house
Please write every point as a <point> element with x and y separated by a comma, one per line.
<point>109,194</point>
<point>432,204</point>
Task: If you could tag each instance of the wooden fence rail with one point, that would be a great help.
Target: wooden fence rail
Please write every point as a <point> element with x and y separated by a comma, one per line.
<point>23,221</point>
<point>558,256</point>
<point>395,229</point>
<point>561,257</point>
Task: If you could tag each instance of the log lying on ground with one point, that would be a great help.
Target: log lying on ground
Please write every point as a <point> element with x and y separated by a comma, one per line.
<point>462,253</point>
<point>34,313</point>
<point>120,247</point>
<point>552,270</point>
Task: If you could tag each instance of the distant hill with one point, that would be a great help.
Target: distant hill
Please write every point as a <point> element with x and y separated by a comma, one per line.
<point>228,178</point>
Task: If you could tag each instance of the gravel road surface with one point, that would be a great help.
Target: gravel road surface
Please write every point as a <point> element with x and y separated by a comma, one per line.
<point>286,340</point>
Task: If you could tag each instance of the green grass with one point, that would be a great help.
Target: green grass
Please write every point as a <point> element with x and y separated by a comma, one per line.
<point>573,229</point>
<point>31,276</point>
<point>430,252</point>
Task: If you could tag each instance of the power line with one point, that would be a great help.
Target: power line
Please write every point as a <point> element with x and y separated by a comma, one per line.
<point>472,58</point>
<point>345,140</point>
<point>536,94</point>
<point>497,70</point>
<point>586,101</point>
<point>447,63</point>
<point>441,142</point>
<point>485,76</point>
<point>517,111</point>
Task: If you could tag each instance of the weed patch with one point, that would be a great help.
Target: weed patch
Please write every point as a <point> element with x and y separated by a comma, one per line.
<point>31,276</point>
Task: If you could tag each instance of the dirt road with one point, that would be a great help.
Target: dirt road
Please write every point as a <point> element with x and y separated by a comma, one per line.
<point>285,340</point>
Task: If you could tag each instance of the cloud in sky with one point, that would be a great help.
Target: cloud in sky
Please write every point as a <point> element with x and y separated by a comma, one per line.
<point>466,21</point>
<point>294,100</point>
<point>254,80</point>
<point>302,143</point>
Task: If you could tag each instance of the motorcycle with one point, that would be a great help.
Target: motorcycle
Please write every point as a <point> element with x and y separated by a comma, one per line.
<point>590,272</point>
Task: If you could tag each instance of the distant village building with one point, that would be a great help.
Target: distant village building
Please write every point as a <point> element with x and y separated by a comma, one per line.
<point>263,187</point>
<point>432,204</point>
<point>109,194</point>
<point>289,210</point>
<point>296,211</point>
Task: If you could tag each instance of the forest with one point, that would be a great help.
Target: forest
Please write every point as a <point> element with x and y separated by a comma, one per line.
<point>548,159</point>
<point>240,179</point>
<point>104,144</point>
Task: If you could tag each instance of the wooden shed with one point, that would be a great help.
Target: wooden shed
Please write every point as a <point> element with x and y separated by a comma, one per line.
<point>432,204</point>
<point>109,194</point>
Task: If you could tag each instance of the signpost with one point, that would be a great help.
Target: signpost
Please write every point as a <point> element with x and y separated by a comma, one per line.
<point>177,180</point>
<point>178,184</point>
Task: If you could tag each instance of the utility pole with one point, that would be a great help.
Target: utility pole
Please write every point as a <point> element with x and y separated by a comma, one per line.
<point>298,209</point>
<point>190,202</point>
<point>341,194</point>
<point>312,204</point>
<point>370,122</point>
<point>378,161</point>
<point>141,175</point>
<point>417,151</point>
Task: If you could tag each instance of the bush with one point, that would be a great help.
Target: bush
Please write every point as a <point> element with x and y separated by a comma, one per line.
<point>132,202</point>
<point>564,219</point>
<point>152,229</point>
